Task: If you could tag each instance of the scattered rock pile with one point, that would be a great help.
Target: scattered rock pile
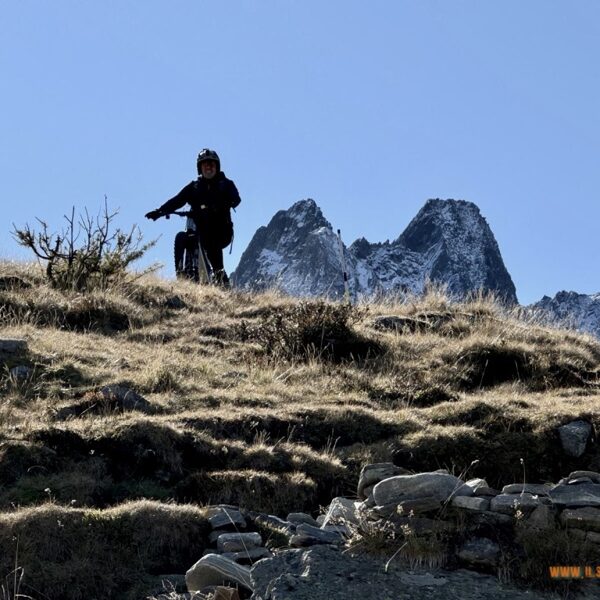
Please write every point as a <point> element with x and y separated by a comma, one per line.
<point>463,524</point>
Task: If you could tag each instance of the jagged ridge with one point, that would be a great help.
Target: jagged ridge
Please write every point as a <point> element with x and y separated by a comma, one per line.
<point>448,242</point>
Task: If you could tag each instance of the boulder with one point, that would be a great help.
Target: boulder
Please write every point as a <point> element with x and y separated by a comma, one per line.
<point>508,504</point>
<point>250,556</point>
<point>409,487</point>
<point>538,489</point>
<point>12,346</point>
<point>574,437</point>
<point>214,569</point>
<point>307,535</point>
<point>471,503</point>
<point>221,516</point>
<point>583,494</point>
<point>237,542</point>
<point>342,510</point>
<point>579,475</point>
<point>480,551</point>
<point>299,517</point>
<point>418,506</point>
<point>581,518</point>
<point>542,517</point>
<point>374,473</point>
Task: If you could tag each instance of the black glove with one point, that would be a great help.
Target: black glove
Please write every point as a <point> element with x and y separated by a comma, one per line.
<point>154,214</point>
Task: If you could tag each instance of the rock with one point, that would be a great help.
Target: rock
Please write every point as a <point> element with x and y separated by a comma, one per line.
<point>486,491</point>
<point>250,556</point>
<point>542,517</point>
<point>342,510</point>
<point>480,551</point>
<point>582,518</point>
<point>21,373</point>
<point>237,542</point>
<point>125,398</point>
<point>476,484</point>
<point>418,506</point>
<point>591,475</point>
<point>471,503</point>
<point>299,518</point>
<point>374,473</point>
<point>583,494</point>
<point>409,487</point>
<point>12,346</point>
<point>574,437</point>
<point>307,535</point>
<point>217,570</point>
<point>593,537</point>
<point>508,504</point>
<point>220,517</point>
<point>273,522</point>
<point>538,489</point>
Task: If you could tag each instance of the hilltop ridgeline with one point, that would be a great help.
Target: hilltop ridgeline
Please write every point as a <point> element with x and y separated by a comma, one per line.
<point>126,411</point>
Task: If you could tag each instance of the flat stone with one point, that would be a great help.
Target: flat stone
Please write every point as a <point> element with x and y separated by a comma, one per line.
<point>471,503</point>
<point>299,517</point>
<point>477,483</point>
<point>418,505</point>
<point>408,487</point>
<point>508,504</point>
<point>582,518</point>
<point>574,437</point>
<point>342,510</point>
<point>591,475</point>
<point>214,569</point>
<point>480,551</point>
<point>275,523</point>
<point>542,517</point>
<point>538,489</point>
<point>583,494</point>
<point>226,517</point>
<point>237,542</point>
<point>12,346</point>
<point>307,535</point>
<point>249,556</point>
<point>486,491</point>
<point>374,473</point>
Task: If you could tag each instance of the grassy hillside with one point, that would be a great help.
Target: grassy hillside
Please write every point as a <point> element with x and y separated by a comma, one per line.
<point>256,400</point>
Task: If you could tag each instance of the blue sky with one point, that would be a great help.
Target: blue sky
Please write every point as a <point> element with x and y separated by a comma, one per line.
<point>369,108</point>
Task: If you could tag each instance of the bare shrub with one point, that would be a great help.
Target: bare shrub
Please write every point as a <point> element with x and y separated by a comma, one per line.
<point>100,259</point>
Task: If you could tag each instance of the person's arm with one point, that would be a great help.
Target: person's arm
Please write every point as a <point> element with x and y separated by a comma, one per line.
<point>170,205</point>
<point>232,194</point>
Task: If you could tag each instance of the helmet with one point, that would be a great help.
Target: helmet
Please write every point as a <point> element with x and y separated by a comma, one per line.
<point>207,154</point>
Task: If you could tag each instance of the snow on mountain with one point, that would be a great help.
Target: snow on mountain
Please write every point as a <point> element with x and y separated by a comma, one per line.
<point>571,310</point>
<point>448,242</point>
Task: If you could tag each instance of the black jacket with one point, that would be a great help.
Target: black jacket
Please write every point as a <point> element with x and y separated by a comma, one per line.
<point>210,201</point>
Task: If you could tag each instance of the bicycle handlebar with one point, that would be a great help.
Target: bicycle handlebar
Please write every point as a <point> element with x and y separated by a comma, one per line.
<point>181,213</point>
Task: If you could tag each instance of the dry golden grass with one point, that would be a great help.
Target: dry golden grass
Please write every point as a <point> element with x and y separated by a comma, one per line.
<point>237,417</point>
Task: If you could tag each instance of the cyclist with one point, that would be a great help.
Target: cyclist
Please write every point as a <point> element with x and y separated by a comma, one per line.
<point>211,198</point>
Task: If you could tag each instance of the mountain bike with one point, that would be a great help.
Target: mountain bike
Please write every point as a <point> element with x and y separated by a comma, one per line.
<point>190,257</point>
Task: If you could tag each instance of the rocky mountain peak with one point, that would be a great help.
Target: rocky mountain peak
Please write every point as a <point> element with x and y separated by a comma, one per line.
<point>448,242</point>
<point>571,310</point>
